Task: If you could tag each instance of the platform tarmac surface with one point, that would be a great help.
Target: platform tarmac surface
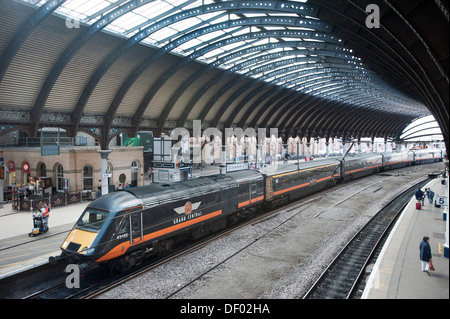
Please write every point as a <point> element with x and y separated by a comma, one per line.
<point>397,273</point>
<point>18,251</point>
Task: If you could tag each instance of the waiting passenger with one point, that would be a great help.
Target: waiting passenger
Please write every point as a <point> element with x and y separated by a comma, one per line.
<point>425,254</point>
<point>419,195</point>
<point>430,195</point>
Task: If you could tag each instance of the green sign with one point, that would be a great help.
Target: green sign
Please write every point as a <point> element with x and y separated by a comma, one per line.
<point>142,139</point>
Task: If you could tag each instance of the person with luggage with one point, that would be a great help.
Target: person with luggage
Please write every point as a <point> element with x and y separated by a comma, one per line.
<point>425,254</point>
<point>419,197</point>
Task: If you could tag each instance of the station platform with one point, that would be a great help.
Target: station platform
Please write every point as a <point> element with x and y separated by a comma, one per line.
<point>397,273</point>
<point>18,251</point>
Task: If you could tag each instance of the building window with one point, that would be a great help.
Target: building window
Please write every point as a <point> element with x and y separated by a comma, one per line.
<point>88,178</point>
<point>59,178</point>
<point>42,170</point>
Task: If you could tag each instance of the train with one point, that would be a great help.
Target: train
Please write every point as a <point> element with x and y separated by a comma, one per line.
<point>121,229</point>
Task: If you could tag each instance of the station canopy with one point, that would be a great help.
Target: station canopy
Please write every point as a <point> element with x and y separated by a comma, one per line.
<point>309,68</point>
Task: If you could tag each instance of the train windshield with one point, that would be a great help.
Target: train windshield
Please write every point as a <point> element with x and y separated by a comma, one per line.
<point>92,219</point>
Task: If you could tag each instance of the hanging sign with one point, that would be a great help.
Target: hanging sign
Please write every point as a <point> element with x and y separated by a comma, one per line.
<point>11,166</point>
<point>26,167</point>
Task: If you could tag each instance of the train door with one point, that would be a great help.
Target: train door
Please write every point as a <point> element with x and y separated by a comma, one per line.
<point>136,231</point>
<point>252,192</point>
<point>269,188</point>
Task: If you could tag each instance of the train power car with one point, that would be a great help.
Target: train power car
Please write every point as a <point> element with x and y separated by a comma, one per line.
<point>138,222</point>
<point>122,228</point>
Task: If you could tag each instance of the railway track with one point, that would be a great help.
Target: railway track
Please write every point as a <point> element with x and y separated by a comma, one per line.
<point>345,276</point>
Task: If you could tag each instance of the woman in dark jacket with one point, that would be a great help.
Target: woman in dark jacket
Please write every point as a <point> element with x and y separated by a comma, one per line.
<point>425,254</point>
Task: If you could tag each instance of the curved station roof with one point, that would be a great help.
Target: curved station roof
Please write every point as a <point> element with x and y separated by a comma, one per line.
<point>319,68</point>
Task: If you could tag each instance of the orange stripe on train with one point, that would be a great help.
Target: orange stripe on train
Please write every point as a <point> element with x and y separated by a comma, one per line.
<point>123,247</point>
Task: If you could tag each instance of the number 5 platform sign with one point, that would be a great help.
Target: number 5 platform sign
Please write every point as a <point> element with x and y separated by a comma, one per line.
<point>441,201</point>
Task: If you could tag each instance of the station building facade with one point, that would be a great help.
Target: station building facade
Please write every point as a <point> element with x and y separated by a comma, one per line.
<point>76,169</point>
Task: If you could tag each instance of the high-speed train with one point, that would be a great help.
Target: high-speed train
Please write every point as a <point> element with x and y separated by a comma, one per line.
<point>122,228</point>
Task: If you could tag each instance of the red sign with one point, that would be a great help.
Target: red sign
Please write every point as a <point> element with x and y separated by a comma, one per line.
<point>26,167</point>
<point>11,166</point>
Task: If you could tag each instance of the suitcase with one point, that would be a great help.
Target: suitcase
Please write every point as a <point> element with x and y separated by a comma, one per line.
<point>418,206</point>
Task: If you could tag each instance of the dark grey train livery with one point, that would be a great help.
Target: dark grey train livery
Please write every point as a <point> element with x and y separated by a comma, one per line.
<point>121,228</point>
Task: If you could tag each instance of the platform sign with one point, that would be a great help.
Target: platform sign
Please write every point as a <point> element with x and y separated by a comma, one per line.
<point>441,201</point>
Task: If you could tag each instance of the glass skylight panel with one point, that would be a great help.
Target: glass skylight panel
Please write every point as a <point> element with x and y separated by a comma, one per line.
<point>186,24</point>
<point>153,9</point>
<point>219,15</point>
<point>115,29</point>
<point>163,34</point>
<point>274,28</point>
<point>93,6</point>
<point>185,47</point>
<point>240,30</point>
<point>253,15</point>
<point>75,5</point>
<point>128,21</point>
<point>230,47</point>
<point>282,14</point>
<point>214,53</point>
<point>70,13</point>
<point>158,7</point>
<point>275,50</point>
<point>213,35</point>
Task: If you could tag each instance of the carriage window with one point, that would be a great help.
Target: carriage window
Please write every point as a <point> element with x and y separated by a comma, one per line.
<point>92,219</point>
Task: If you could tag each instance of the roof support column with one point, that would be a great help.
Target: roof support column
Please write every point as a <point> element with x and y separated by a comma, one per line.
<point>373,143</point>
<point>308,150</point>
<point>104,156</point>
